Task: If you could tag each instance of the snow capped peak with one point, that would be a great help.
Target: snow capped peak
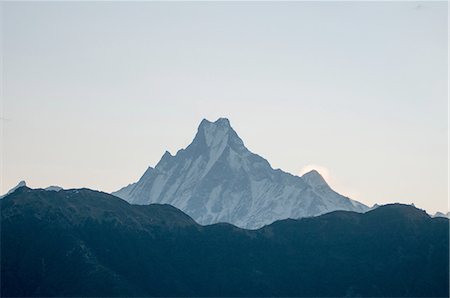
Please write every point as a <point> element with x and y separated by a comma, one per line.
<point>314,179</point>
<point>217,179</point>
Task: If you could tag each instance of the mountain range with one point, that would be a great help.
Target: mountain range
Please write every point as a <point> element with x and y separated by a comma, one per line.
<point>216,220</point>
<point>84,243</point>
<point>217,179</point>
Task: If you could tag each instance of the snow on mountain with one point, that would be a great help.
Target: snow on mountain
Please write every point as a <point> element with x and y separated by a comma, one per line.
<point>217,179</point>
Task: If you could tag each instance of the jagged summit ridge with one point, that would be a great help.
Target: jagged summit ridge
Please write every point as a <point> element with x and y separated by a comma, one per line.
<point>217,135</point>
<point>217,179</point>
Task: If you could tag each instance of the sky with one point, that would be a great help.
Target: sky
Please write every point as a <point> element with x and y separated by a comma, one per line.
<point>94,92</point>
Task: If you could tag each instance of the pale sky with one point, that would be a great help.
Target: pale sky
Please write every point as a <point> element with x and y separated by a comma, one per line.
<point>95,92</point>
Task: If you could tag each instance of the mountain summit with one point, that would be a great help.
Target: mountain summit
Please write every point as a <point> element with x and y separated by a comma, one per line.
<point>217,179</point>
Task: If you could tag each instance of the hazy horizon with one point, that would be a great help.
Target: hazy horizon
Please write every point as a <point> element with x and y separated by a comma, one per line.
<point>94,93</point>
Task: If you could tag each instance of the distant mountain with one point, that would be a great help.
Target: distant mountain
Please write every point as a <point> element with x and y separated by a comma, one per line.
<point>441,214</point>
<point>53,188</point>
<point>20,184</point>
<point>23,183</point>
<point>88,243</point>
<point>217,179</point>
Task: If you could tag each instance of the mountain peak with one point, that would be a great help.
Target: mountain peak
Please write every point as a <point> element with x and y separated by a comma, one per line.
<point>218,133</point>
<point>217,179</point>
<point>223,122</point>
<point>166,155</point>
<point>19,185</point>
<point>221,125</point>
<point>314,178</point>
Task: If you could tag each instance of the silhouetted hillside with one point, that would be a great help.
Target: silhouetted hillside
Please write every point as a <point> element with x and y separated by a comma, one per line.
<point>87,243</point>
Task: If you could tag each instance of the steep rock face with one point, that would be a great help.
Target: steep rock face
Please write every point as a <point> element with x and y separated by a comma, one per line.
<point>217,179</point>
